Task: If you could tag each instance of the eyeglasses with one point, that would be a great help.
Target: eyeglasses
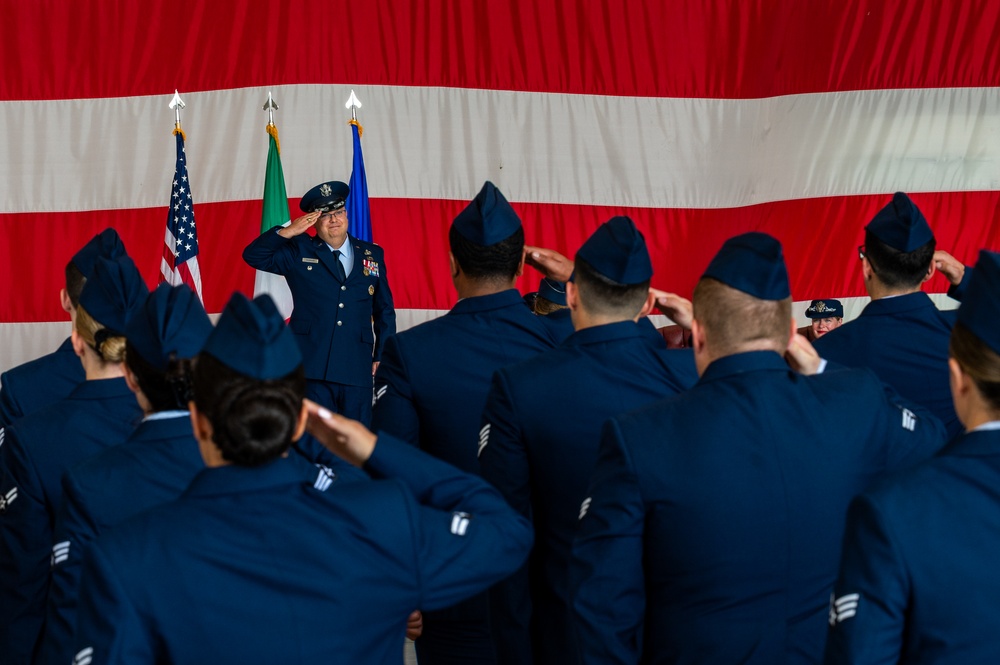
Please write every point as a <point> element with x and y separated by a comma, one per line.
<point>334,213</point>
<point>861,252</point>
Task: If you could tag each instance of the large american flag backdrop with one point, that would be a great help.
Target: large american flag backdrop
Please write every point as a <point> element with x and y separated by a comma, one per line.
<point>699,119</point>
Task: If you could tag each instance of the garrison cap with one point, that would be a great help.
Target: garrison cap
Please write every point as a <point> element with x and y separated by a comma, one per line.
<point>617,250</point>
<point>171,324</point>
<point>328,196</point>
<point>114,293</point>
<point>107,243</point>
<point>488,219</point>
<point>552,290</point>
<point>825,309</point>
<point>980,308</point>
<point>251,338</point>
<point>901,225</point>
<point>754,264</point>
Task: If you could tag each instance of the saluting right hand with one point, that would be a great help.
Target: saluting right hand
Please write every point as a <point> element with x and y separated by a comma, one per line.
<point>300,225</point>
<point>347,439</point>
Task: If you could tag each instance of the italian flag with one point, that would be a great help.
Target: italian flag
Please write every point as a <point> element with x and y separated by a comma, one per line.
<point>275,214</point>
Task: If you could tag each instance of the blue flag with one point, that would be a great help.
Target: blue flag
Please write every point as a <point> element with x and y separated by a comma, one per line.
<point>359,215</point>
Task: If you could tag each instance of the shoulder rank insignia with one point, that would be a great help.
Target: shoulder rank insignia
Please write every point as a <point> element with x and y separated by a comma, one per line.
<point>371,290</point>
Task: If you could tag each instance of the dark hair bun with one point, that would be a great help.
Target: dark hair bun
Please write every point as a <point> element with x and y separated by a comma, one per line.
<point>256,423</point>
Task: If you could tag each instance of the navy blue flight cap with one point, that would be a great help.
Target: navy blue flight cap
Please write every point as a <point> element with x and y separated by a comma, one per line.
<point>328,196</point>
<point>825,309</point>
<point>107,243</point>
<point>114,293</point>
<point>980,308</point>
<point>171,324</point>
<point>754,264</point>
<point>901,225</point>
<point>618,251</point>
<point>251,338</point>
<point>488,219</point>
<point>552,290</point>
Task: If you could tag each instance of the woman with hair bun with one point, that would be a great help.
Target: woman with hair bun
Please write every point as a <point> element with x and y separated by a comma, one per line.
<point>919,580</point>
<point>155,464</point>
<point>254,564</point>
<point>40,447</point>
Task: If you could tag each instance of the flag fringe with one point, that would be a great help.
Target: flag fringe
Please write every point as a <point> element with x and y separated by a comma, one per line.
<point>361,130</point>
<point>273,131</point>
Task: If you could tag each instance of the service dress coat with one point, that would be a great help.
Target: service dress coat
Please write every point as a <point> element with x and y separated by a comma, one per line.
<point>712,526</point>
<point>40,382</point>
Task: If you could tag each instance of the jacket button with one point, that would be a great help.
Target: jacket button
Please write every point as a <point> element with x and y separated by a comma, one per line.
<point>343,288</point>
<point>340,323</point>
<point>341,305</point>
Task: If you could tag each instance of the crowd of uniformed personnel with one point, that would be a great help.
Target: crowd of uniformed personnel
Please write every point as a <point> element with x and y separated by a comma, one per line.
<point>549,483</point>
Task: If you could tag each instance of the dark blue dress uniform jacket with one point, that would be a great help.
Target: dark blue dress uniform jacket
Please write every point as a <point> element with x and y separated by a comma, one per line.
<point>153,467</point>
<point>341,327</point>
<point>544,418</point>
<point>919,580</point>
<point>40,382</point>
<point>37,451</point>
<point>904,340</point>
<point>251,565</point>
<point>712,528</point>
<point>430,389</point>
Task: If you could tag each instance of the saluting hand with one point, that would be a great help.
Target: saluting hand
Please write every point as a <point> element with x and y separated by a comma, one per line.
<point>802,356</point>
<point>949,266</point>
<point>300,225</point>
<point>550,263</point>
<point>677,309</point>
<point>347,439</point>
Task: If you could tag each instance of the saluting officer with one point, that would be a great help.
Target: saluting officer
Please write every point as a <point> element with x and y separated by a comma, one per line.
<point>41,446</point>
<point>343,310</point>
<point>432,384</point>
<point>154,465</point>
<point>542,426</point>
<point>825,315</point>
<point>711,528</point>
<point>253,564</point>
<point>919,580</point>
<point>900,334</point>
<point>52,377</point>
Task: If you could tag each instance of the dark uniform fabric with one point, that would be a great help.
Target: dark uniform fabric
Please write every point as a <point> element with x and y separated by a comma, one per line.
<point>341,326</point>
<point>153,467</point>
<point>712,528</point>
<point>251,565</point>
<point>430,391</point>
<point>37,451</point>
<point>38,383</point>
<point>541,430</point>
<point>919,580</point>
<point>904,340</point>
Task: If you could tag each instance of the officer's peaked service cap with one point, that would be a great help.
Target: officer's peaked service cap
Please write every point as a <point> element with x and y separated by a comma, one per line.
<point>171,324</point>
<point>114,293</point>
<point>328,196</point>
<point>752,263</point>
<point>488,219</point>
<point>825,309</point>
<point>107,243</point>
<point>901,225</point>
<point>251,338</point>
<point>618,251</point>
<point>980,309</point>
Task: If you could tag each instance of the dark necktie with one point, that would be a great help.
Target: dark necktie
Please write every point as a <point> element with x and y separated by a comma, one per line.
<point>341,273</point>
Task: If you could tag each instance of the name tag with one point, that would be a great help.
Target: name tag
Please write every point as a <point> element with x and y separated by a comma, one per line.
<point>310,260</point>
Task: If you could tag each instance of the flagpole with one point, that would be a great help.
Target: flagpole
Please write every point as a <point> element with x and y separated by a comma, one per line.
<point>270,106</point>
<point>176,104</point>
<point>354,105</point>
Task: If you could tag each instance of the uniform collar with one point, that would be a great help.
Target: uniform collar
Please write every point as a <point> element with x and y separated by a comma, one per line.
<point>739,363</point>
<point>506,298</point>
<point>905,303</point>
<point>164,428</point>
<point>98,389</point>
<point>66,346</point>
<point>608,332</point>
<point>233,479</point>
<point>977,443</point>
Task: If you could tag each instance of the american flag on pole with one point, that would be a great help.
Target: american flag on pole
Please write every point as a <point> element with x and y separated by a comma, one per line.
<point>180,242</point>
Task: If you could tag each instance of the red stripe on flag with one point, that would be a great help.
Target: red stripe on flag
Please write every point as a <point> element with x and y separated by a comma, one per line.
<point>820,237</point>
<point>675,48</point>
